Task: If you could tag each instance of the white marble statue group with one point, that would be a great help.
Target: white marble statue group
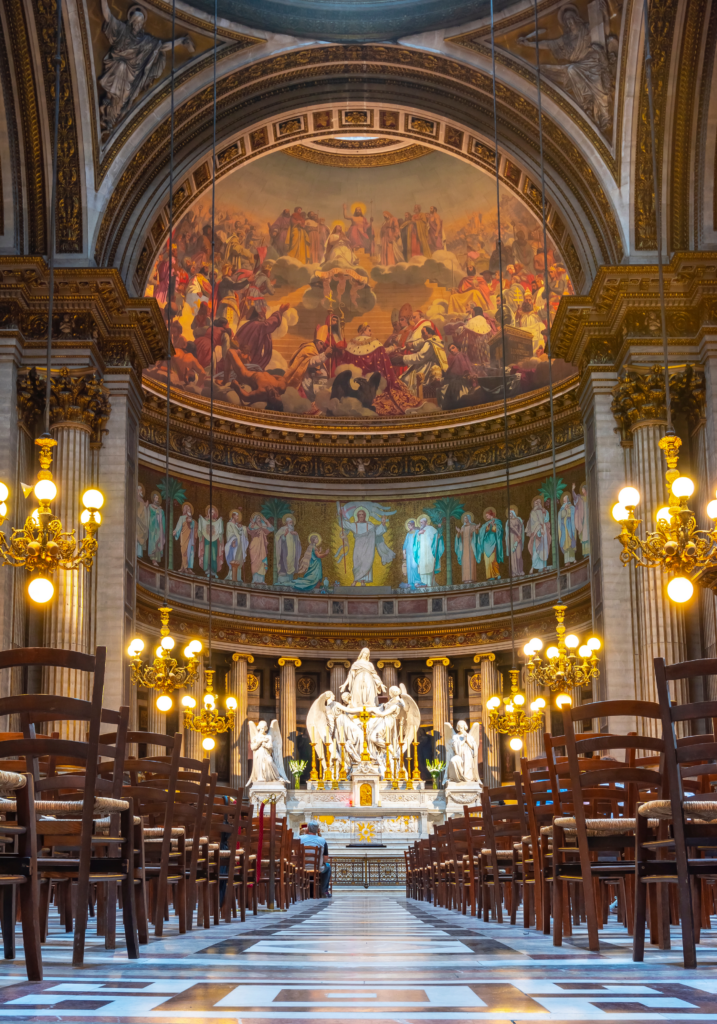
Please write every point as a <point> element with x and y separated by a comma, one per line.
<point>334,724</point>
<point>335,729</point>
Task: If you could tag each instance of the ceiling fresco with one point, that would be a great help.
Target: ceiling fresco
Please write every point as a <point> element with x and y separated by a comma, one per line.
<point>359,292</point>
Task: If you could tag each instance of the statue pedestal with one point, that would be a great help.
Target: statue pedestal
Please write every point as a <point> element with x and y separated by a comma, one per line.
<point>460,795</point>
<point>262,792</point>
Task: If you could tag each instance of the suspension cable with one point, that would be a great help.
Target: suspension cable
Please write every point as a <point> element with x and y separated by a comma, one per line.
<point>53,208</point>
<point>211,330</point>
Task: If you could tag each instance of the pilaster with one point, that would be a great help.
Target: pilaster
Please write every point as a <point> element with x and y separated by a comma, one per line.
<point>287,707</point>
<point>239,757</point>
<point>441,705</point>
<point>491,686</point>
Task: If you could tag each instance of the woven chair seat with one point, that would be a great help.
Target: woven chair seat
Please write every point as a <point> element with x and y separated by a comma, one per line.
<point>11,780</point>
<point>152,832</point>
<point>603,826</point>
<point>173,844</point>
<point>546,830</point>
<point>202,839</point>
<point>102,825</point>
<point>502,854</point>
<point>703,810</point>
<point>102,804</point>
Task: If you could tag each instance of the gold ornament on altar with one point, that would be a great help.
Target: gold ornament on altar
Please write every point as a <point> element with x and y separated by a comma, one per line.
<point>677,545</point>
<point>41,546</point>
<point>514,722</point>
<point>208,722</point>
<point>563,670</point>
<point>164,674</point>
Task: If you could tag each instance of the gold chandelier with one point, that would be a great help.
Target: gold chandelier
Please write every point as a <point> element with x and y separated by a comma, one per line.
<point>677,545</point>
<point>514,722</point>
<point>41,546</point>
<point>164,674</point>
<point>563,670</point>
<point>208,722</point>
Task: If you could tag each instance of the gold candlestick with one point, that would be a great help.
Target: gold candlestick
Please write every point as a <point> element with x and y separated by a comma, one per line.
<point>342,773</point>
<point>313,777</point>
<point>321,775</point>
<point>416,776</point>
<point>388,776</point>
<point>396,771</point>
<point>335,773</point>
<point>402,771</point>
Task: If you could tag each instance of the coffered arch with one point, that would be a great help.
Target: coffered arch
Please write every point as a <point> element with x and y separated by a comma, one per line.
<point>455,99</point>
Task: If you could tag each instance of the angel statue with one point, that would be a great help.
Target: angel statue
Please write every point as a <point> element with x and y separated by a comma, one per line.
<point>394,723</point>
<point>462,751</point>
<point>265,741</point>
<point>363,682</point>
<point>329,726</point>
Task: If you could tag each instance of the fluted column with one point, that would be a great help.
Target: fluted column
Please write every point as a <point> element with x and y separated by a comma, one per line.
<point>475,696</point>
<point>441,705</point>
<point>338,670</point>
<point>156,719</point>
<point>662,629</point>
<point>389,673</point>
<point>287,707</point>
<point>12,598</point>
<point>491,686</point>
<point>191,740</point>
<point>239,756</point>
<point>533,745</point>
<point>67,623</point>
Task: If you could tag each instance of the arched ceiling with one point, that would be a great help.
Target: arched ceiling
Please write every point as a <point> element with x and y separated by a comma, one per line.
<point>352,20</point>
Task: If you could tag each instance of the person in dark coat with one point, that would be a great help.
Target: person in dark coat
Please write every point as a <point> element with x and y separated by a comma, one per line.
<point>253,339</point>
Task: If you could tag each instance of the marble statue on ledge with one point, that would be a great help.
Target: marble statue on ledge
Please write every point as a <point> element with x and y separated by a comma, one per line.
<point>461,780</point>
<point>268,779</point>
<point>332,724</point>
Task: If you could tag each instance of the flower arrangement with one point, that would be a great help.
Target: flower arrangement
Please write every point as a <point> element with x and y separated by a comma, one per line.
<point>297,768</point>
<point>436,768</point>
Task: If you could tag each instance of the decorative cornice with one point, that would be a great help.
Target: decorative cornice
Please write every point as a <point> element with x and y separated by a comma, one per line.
<point>68,211</point>
<point>90,305</point>
<point>396,156</point>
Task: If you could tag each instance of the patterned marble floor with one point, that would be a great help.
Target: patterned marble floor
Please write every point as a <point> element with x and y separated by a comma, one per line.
<point>362,956</point>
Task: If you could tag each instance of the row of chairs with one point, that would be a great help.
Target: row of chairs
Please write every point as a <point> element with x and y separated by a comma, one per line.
<point>603,817</point>
<point>121,812</point>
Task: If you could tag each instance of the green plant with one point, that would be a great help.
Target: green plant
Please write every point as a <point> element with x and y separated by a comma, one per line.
<point>274,509</point>
<point>178,494</point>
<point>551,491</point>
<point>297,768</point>
<point>435,768</point>
<point>441,513</point>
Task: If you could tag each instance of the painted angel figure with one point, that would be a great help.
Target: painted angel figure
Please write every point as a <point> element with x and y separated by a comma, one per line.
<point>265,741</point>
<point>462,753</point>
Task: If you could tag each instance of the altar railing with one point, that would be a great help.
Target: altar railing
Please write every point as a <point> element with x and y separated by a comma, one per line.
<point>368,872</point>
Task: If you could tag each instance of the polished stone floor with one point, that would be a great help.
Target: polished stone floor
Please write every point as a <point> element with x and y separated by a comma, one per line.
<point>362,956</point>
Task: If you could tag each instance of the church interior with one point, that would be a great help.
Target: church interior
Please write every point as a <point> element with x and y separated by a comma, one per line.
<point>358,522</point>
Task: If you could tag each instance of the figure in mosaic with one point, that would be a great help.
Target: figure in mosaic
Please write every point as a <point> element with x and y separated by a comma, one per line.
<point>287,549</point>
<point>237,544</point>
<point>211,541</point>
<point>155,529</point>
<point>566,528</point>
<point>538,530</point>
<point>258,530</point>
<point>142,527</point>
<point>490,543</point>
<point>466,548</point>
<point>186,533</point>
<point>582,518</point>
<point>515,540</point>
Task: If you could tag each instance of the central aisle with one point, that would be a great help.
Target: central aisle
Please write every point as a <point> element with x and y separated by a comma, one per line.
<point>363,956</point>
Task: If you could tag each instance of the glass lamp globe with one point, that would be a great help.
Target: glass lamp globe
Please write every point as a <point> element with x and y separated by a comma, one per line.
<point>209,699</point>
<point>563,700</point>
<point>712,509</point>
<point>4,492</point>
<point>516,743</point>
<point>208,743</point>
<point>493,703</point>
<point>619,512</point>
<point>85,517</point>
<point>196,646</point>
<point>629,497</point>
<point>167,642</point>
<point>164,703</point>
<point>571,640</point>
<point>519,699</point>
<point>45,490</point>
<point>536,643</point>
<point>683,487</point>
<point>528,650</point>
<point>188,701</point>
<point>594,644</point>
<point>663,515</point>
<point>232,703</point>
<point>93,498</point>
<point>680,589</point>
<point>3,508</point>
<point>539,703</point>
<point>40,590</point>
<point>584,651</point>
<point>552,652</point>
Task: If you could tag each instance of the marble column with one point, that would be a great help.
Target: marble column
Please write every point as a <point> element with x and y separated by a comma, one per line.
<point>441,705</point>
<point>116,556</point>
<point>12,581</point>
<point>191,740</point>
<point>614,612</point>
<point>338,670</point>
<point>661,623</point>
<point>706,468</point>
<point>533,745</point>
<point>287,707</point>
<point>389,673</point>
<point>491,686</point>
<point>239,757</point>
<point>474,689</point>
<point>67,622</point>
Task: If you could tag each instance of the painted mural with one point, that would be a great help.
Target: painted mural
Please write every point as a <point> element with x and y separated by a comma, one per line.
<point>322,546</point>
<point>359,292</point>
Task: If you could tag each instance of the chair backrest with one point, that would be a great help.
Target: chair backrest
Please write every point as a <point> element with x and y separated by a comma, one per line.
<point>504,822</point>
<point>689,760</point>
<point>153,781</point>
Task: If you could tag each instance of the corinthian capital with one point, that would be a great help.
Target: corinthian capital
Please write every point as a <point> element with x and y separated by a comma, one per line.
<point>640,396</point>
<point>74,398</point>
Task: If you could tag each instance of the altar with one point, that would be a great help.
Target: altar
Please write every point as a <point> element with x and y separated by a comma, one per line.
<point>365,788</point>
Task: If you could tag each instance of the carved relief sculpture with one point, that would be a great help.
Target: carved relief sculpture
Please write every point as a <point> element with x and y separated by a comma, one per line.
<point>134,62</point>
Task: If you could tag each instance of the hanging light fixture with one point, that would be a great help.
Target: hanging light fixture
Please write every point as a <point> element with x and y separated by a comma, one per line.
<point>563,670</point>
<point>514,722</point>
<point>42,545</point>
<point>164,674</point>
<point>209,722</point>
<point>687,553</point>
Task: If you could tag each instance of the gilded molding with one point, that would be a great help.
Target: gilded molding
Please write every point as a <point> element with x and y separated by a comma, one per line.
<point>68,213</point>
<point>639,397</point>
<point>396,156</point>
<point>77,398</point>
<point>684,155</point>
<point>274,635</point>
<point>31,135</point>
<point>354,144</point>
<point>435,74</point>
<point>663,15</point>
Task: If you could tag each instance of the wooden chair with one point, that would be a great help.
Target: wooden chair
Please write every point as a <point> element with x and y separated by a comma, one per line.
<point>81,791</point>
<point>18,870</point>
<point>311,867</point>
<point>504,824</point>
<point>223,831</point>
<point>475,838</point>
<point>689,810</point>
<point>601,802</point>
